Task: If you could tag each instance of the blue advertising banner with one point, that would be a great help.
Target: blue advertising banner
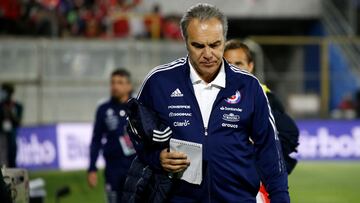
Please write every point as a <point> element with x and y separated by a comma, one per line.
<point>37,148</point>
<point>65,146</point>
<point>329,140</point>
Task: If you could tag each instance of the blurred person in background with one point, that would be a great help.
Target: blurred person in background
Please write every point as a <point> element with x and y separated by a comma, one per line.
<point>357,103</point>
<point>346,109</point>
<point>84,18</point>
<point>10,12</point>
<point>239,54</point>
<point>79,18</point>
<point>110,136</point>
<point>36,18</point>
<point>153,22</point>
<point>10,120</point>
<point>171,28</point>
<point>120,16</point>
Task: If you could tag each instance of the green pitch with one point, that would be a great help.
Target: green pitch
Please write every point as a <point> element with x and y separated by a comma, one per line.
<point>325,182</point>
<point>311,182</point>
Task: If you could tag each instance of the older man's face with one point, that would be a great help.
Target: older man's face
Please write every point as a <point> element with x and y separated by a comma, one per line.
<point>205,45</point>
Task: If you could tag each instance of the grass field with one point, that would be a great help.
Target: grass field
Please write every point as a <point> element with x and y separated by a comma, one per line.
<point>311,182</point>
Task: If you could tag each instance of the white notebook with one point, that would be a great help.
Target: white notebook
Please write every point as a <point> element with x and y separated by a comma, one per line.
<point>193,174</point>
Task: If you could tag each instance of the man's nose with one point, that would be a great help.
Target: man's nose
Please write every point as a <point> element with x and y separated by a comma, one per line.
<point>207,53</point>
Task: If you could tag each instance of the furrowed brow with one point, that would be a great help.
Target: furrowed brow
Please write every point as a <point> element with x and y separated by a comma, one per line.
<point>197,45</point>
<point>215,43</point>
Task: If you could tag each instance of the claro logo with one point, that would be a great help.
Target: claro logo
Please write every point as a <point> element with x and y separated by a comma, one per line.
<point>181,123</point>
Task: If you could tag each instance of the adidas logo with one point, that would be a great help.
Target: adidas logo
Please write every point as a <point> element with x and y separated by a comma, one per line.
<point>176,93</point>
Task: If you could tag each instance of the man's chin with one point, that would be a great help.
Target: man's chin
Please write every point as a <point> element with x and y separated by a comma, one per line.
<point>210,68</point>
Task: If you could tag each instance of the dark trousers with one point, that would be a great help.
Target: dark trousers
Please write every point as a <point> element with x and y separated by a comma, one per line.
<point>115,174</point>
<point>9,149</point>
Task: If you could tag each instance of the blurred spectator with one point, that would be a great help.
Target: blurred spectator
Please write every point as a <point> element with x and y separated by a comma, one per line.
<point>86,18</point>
<point>92,19</point>
<point>120,25</point>
<point>346,108</point>
<point>10,120</point>
<point>36,19</point>
<point>10,12</point>
<point>72,17</point>
<point>357,103</point>
<point>153,22</point>
<point>347,103</point>
<point>123,21</point>
<point>171,28</point>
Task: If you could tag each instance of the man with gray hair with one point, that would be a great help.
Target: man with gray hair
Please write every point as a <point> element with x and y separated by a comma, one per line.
<point>207,101</point>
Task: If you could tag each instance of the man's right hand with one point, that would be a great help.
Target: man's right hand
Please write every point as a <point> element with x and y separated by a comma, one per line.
<point>92,179</point>
<point>173,162</point>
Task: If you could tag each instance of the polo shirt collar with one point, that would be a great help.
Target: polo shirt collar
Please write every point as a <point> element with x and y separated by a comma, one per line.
<point>220,79</point>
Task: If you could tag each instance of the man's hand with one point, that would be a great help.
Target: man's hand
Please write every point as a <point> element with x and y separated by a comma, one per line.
<point>173,162</point>
<point>92,179</point>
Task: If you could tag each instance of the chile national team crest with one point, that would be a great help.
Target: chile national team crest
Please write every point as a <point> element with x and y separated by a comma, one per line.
<point>234,99</point>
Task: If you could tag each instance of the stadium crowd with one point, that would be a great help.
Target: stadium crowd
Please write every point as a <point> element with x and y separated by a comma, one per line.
<point>86,18</point>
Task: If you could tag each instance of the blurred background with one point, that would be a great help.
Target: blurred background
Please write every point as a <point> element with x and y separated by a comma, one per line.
<point>59,55</point>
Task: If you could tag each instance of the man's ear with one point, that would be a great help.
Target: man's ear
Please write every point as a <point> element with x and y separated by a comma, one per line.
<point>251,67</point>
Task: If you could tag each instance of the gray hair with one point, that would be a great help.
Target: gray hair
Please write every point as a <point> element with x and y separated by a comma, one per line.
<point>202,11</point>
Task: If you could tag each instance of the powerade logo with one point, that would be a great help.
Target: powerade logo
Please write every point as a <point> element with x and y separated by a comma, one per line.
<point>32,151</point>
<point>325,145</point>
<point>179,107</point>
